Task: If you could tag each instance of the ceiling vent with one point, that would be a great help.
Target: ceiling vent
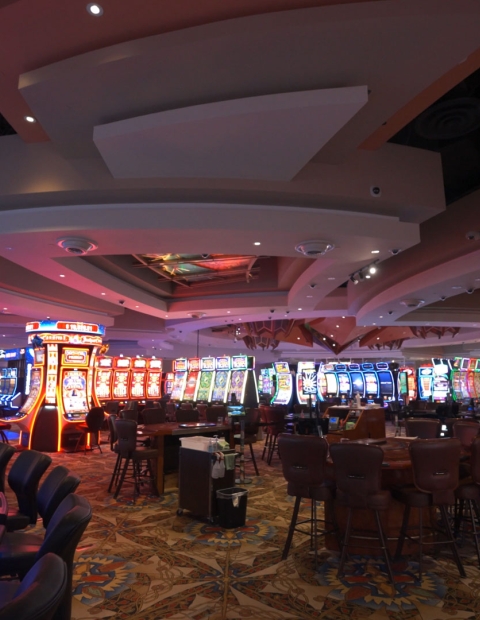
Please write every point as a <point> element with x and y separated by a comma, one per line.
<point>196,315</point>
<point>314,249</point>
<point>412,303</point>
<point>77,246</point>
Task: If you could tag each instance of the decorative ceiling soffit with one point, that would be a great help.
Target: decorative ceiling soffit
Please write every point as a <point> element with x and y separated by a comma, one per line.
<point>254,342</point>
<point>423,332</point>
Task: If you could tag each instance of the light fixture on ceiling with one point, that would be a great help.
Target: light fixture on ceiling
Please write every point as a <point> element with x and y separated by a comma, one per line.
<point>30,119</point>
<point>395,251</point>
<point>79,246</point>
<point>314,249</point>
<point>354,279</point>
<point>372,269</point>
<point>62,275</point>
<point>412,303</point>
<point>196,315</point>
<point>94,9</point>
<point>257,243</point>
<point>375,252</point>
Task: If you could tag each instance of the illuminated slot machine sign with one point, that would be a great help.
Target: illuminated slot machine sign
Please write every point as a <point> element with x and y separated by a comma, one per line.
<point>103,378</point>
<point>321,383</point>
<point>154,378</point>
<point>385,382</point>
<point>61,382</point>
<point>425,382</point>
<point>371,382</point>
<point>205,384</point>
<point>283,395</point>
<point>357,380</point>
<point>222,380</point>
<point>306,372</point>
<point>190,393</point>
<point>476,378</point>
<point>441,383</point>
<point>463,377</point>
<point>180,368</point>
<point>344,382</point>
<point>138,378</point>
<point>331,381</point>
<point>121,378</point>
<point>472,389</point>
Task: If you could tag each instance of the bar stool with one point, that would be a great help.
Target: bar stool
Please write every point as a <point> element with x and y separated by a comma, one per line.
<point>470,493</point>
<point>423,428</point>
<point>358,478</point>
<point>303,462</point>
<point>435,465</point>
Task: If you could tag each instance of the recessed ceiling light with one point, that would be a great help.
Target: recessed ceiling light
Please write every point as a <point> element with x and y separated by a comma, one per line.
<point>331,278</point>
<point>30,119</point>
<point>239,319</point>
<point>298,337</point>
<point>368,276</point>
<point>5,308</point>
<point>343,317</point>
<point>332,336</point>
<point>380,317</point>
<point>337,326</point>
<point>94,9</point>
<point>373,323</point>
<point>257,243</point>
<point>309,296</point>
<point>299,308</point>
<point>323,338</point>
<point>104,293</point>
<point>378,337</point>
<point>136,306</point>
<point>228,311</point>
<point>166,316</point>
<point>62,275</point>
<point>457,288</point>
<point>333,344</point>
<point>372,269</point>
<point>375,251</point>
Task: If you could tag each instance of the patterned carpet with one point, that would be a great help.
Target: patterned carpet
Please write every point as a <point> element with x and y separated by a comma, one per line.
<point>144,562</point>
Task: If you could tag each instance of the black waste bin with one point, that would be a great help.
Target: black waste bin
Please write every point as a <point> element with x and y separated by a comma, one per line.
<point>232,507</point>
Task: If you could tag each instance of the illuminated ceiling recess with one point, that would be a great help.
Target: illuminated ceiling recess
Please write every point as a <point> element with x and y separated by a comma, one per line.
<point>271,137</point>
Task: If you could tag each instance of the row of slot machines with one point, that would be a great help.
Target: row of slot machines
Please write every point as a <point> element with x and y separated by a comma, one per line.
<point>126,378</point>
<point>215,380</point>
<point>309,382</point>
<point>458,377</point>
<point>15,377</point>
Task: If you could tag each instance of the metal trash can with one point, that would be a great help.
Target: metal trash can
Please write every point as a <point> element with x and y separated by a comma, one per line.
<point>232,507</point>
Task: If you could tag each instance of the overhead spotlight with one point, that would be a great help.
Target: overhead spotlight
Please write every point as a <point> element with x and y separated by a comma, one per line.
<point>361,276</point>
<point>76,245</point>
<point>443,298</point>
<point>94,9</point>
<point>372,269</point>
<point>395,251</point>
<point>354,279</point>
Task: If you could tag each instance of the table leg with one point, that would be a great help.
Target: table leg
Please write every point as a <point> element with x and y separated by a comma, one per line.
<point>160,441</point>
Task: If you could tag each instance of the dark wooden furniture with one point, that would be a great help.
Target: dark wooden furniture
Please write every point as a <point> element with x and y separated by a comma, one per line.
<point>357,423</point>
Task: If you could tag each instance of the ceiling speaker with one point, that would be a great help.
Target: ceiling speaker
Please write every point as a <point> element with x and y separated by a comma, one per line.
<point>78,246</point>
<point>314,249</point>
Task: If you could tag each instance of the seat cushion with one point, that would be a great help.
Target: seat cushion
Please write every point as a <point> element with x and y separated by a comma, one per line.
<point>411,496</point>
<point>18,551</point>
<point>145,453</point>
<point>468,491</point>
<point>16,521</point>
<point>373,501</point>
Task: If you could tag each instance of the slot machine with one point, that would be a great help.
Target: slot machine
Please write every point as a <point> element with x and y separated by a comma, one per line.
<point>357,380</point>
<point>180,369</point>
<point>284,393</point>
<point>168,382</point>
<point>138,379</point>
<point>103,380</point>
<point>205,383</point>
<point>121,378</point>
<point>386,384</point>
<point>15,378</point>
<point>61,382</point>
<point>243,382</point>
<point>222,380</point>
<point>472,389</point>
<point>266,384</point>
<point>331,381</point>
<point>191,386</point>
<point>407,384</point>
<point>425,382</point>
<point>441,383</point>
<point>476,378</point>
<point>321,383</point>
<point>371,382</point>
<point>311,375</point>
<point>154,378</point>
<point>344,382</point>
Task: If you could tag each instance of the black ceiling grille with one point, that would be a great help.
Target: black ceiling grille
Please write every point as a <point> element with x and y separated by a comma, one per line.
<point>5,128</point>
<point>451,127</point>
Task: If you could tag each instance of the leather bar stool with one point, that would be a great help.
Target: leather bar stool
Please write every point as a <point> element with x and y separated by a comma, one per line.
<point>252,424</point>
<point>357,470</point>
<point>423,428</point>
<point>276,420</point>
<point>154,415</point>
<point>466,432</point>
<point>469,493</point>
<point>94,421</point>
<point>6,453</point>
<point>435,464</point>
<point>303,461</point>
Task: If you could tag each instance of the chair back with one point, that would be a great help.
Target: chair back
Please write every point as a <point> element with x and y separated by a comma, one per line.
<point>129,414</point>
<point>357,471</point>
<point>95,419</point>
<point>59,483</point>
<point>252,421</point>
<point>423,428</point>
<point>112,407</point>
<point>3,509</point>
<point>40,593</point>
<point>62,536</point>
<point>154,415</point>
<point>6,453</point>
<point>170,408</point>
<point>23,479</point>
<point>112,430</point>
<point>187,415</point>
<point>435,464</point>
<point>214,412</point>
<point>276,419</point>
<point>475,460</point>
<point>303,462</point>
<point>126,435</point>
<point>466,432</point>
<point>188,406</point>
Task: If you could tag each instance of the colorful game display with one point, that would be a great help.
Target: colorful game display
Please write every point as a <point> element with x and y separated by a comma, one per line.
<point>180,369</point>
<point>441,384</point>
<point>190,393</point>
<point>284,393</point>
<point>331,381</point>
<point>103,379</point>
<point>205,384</point>
<point>222,380</point>
<point>425,382</point>
<point>386,384</point>
<point>169,380</point>
<point>154,378</point>
<point>121,378</point>
<point>321,382</point>
<point>61,382</point>
<point>371,382</point>
<point>306,372</point>
<point>15,378</point>
<point>344,382</point>
<point>266,388</point>
<point>357,379</point>
<point>138,379</point>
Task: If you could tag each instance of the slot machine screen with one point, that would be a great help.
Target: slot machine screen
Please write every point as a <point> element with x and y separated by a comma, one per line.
<point>357,383</point>
<point>403,386</point>
<point>331,383</point>
<point>386,383</point>
<point>343,383</point>
<point>74,388</point>
<point>371,383</point>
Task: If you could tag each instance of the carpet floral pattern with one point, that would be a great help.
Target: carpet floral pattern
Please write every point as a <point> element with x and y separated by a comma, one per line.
<point>142,561</point>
